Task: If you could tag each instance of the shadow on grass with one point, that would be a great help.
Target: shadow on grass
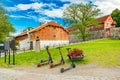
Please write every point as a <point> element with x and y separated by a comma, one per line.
<point>78,62</point>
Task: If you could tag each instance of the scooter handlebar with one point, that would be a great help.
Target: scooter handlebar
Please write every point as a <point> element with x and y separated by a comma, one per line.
<point>58,47</point>
<point>68,49</point>
<point>47,47</point>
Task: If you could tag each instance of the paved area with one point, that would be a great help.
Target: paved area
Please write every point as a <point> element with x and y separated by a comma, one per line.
<point>81,72</point>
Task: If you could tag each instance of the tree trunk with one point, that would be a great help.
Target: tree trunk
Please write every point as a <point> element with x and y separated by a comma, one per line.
<point>83,35</point>
<point>83,38</point>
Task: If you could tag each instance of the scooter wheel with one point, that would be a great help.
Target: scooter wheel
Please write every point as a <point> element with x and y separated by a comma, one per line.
<point>73,65</point>
<point>62,70</point>
<point>38,65</point>
<point>51,66</point>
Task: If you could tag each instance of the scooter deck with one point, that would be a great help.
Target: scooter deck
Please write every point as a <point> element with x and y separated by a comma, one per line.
<point>42,64</point>
<point>68,68</point>
<point>55,65</point>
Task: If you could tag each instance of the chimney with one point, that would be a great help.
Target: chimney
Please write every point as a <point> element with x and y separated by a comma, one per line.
<point>40,23</point>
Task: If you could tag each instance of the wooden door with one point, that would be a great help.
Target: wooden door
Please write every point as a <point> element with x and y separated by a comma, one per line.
<point>107,34</point>
<point>31,45</point>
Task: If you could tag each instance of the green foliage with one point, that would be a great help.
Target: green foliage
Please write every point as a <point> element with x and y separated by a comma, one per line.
<point>116,16</point>
<point>5,25</point>
<point>28,28</point>
<point>81,17</point>
<point>87,35</point>
<point>101,52</point>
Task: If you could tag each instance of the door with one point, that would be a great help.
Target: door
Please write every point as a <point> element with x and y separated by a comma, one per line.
<point>31,45</point>
<point>107,34</point>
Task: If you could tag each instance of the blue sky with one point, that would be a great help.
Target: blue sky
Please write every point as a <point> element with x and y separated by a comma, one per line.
<point>29,13</point>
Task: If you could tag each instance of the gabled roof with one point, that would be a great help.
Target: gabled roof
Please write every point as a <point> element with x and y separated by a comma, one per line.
<point>114,23</point>
<point>52,23</point>
<point>103,18</point>
<point>21,35</point>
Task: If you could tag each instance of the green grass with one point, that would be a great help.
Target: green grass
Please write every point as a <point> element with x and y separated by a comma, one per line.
<point>101,52</point>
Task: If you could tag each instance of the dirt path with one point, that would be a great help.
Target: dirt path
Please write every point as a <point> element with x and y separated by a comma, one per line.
<point>81,72</point>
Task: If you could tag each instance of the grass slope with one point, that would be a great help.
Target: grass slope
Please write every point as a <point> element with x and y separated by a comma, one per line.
<point>101,52</point>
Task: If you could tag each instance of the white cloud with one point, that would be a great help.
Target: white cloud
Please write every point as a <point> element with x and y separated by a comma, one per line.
<point>11,8</point>
<point>41,19</point>
<point>107,6</point>
<point>25,17</point>
<point>37,7</point>
<point>19,16</point>
<point>56,12</point>
<point>30,6</point>
<point>34,6</point>
<point>44,20</point>
<point>23,6</point>
<point>33,17</point>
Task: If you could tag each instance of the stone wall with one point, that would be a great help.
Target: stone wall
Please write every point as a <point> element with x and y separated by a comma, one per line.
<point>97,34</point>
<point>73,39</point>
<point>115,33</point>
<point>93,35</point>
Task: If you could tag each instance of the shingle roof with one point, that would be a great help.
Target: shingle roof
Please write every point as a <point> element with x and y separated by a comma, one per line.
<point>102,19</point>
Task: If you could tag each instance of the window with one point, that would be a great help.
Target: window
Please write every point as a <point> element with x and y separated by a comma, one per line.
<point>54,35</point>
<point>54,28</point>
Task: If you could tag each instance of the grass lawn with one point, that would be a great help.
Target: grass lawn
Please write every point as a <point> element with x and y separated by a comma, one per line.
<point>101,52</point>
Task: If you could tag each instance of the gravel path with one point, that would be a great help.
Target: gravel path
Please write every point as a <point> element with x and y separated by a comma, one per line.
<point>81,72</point>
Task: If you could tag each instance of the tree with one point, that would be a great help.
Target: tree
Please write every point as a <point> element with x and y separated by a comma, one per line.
<point>116,16</point>
<point>80,17</point>
<point>5,25</point>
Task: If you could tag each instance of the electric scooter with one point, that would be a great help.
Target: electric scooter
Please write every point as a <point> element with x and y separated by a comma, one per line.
<point>71,66</point>
<point>61,62</point>
<point>45,62</point>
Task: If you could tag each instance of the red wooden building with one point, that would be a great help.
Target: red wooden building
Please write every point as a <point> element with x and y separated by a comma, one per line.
<point>50,34</point>
<point>106,22</point>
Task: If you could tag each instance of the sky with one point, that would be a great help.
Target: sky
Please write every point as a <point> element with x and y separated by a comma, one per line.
<point>29,13</point>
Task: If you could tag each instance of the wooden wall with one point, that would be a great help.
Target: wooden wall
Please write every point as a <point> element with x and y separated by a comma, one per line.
<point>50,33</point>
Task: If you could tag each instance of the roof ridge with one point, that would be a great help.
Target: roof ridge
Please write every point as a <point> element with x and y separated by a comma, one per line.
<point>104,16</point>
<point>48,23</point>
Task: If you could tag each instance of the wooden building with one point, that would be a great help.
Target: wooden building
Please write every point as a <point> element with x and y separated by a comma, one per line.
<point>106,22</point>
<point>50,34</point>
